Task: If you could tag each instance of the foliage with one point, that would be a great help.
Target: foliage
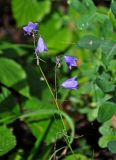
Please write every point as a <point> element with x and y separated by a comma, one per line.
<point>7,140</point>
<point>77,28</point>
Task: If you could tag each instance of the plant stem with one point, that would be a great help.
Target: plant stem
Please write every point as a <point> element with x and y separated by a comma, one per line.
<point>55,100</point>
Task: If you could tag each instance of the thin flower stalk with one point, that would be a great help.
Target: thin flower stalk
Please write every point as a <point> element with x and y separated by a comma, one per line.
<point>41,46</point>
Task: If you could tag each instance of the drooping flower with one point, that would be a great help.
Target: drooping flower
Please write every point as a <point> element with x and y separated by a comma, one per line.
<point>71,84</point>
<point>71,61</point>
<point>31,27</point>
<point>41,46</point>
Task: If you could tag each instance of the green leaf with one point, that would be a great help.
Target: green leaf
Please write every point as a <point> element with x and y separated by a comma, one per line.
<point>108,134</point>
<point>109,47</point>
<point>113,8</point>
<point>11,49</point>
<point>92,114</point>
<point>7,140</point>
<point>78,6</point>
<point>57,36</point>
<point>105,82</point>
<point>83,6</point>
<point>103,141</point>
<point>106,111</point>
<point>112,65</point>
<point>112,146</point>
<point>43,113</point>
<point>76,156</point>
<point>29,10</point>
<point>89,42</point>
<point>106,129</point>
<point>89,20</point>
<point>9,108</point>
<point>105,85</point>
<point>89,5</point>
<point>50,129</point>
<point>12,75</point>
<point>86,21</point>
<point>59,41</point>
<point>107,31</point>
<point>36,86</point>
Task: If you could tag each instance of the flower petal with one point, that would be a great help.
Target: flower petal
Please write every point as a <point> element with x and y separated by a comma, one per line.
<point>31,27</point>
<point>71,61</point>
<point>41,46</point>
<point>71,84</point>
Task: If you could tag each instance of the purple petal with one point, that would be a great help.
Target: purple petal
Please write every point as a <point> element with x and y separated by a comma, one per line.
<point>71,61</point>
<point>31,27</point>
<point>45,46</point>
<point>41,46</point>
<point>26,29</point>
<point>70,84</point>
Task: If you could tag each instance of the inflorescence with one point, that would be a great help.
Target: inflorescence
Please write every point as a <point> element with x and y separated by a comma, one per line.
<point>32,29</point>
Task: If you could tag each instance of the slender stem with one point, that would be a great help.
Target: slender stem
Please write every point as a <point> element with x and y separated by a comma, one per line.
<point>56,82</point>
<point>34,40</point>
<point>55,100</point>
<point>52,156</point>
<point>54,97</point>
<point>37,60</point>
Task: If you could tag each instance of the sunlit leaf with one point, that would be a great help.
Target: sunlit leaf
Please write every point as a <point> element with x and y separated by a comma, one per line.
<point>57,36</point>
<point>76,156</point>
<point>28,10</point>
<point>7,140</point>
<point>108,134</point>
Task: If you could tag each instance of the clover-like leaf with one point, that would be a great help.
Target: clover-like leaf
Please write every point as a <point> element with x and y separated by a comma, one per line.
<point>106,111</point>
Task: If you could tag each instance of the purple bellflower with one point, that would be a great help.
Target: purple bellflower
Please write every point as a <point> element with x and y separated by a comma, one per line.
<point>31,27</point>
<point>71,61</point>
<point>71,84</point>
<point>41,46</point>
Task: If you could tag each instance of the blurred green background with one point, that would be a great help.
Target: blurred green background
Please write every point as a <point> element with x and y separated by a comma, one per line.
<point>30,126</point>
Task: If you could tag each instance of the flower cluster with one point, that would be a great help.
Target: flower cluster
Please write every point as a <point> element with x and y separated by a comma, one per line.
<point>32,29</point>
<point>71,83</point>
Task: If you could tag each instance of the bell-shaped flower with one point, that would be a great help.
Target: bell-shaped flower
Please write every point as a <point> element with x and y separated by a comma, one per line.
<point>71,84</point>
<point>41,46</point>
<point>71,61</point>
<point>31,27</point>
